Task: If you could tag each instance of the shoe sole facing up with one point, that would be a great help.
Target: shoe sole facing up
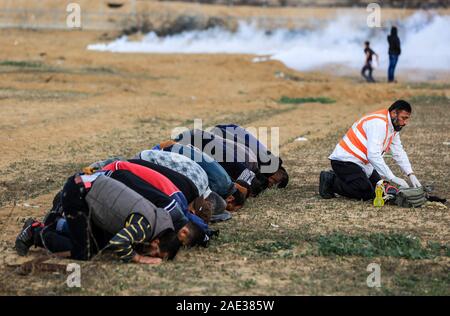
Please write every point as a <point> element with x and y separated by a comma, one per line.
<point>21,248</point>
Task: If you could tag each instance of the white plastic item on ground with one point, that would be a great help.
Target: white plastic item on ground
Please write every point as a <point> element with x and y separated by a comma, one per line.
<point>301,139</point>
<point>29,205</point>
<point>260,59</point>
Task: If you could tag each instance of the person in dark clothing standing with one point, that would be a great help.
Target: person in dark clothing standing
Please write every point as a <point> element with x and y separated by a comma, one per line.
<point>394,53</point>
<point>368,64</point>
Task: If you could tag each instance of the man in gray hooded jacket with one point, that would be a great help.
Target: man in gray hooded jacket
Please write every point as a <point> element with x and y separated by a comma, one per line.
<point>103,212</point>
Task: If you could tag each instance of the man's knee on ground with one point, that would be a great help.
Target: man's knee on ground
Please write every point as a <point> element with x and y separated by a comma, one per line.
<point>363,190</point>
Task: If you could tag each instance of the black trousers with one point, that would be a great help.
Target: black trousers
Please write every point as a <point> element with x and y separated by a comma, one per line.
<point>351,181</point>
<point>87,239</point>
<point>367,68</point>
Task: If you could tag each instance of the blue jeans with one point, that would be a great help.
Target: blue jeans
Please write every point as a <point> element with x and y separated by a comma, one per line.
<point>393,59</point>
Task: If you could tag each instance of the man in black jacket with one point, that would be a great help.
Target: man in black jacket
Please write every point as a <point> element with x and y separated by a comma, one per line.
<point>394,53</point>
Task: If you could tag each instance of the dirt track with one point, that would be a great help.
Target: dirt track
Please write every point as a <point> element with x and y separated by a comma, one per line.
<point>65,107</point>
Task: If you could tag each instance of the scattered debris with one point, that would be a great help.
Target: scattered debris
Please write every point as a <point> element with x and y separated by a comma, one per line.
<point>435,205</point>
<point>446,143</point>
<point>274,225</point>
<point>279,74</point>
<point>260,59</point>
<point>28,205</point>
<point>301,139</point>
<point>38,265</point>
<point>282,75</point>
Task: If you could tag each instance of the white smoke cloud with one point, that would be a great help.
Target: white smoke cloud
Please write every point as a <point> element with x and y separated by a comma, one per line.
<point>425,43</point>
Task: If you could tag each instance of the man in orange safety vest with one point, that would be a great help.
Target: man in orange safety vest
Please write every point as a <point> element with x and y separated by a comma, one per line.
<point>357,161</point>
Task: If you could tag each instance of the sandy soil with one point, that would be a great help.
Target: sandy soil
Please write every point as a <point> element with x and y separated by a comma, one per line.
<point>65,107</point>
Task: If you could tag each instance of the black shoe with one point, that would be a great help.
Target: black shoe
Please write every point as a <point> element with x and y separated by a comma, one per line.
<point>25,239</point>
<point>325,184</point>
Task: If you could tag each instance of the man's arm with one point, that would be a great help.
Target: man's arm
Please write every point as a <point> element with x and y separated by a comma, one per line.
<point>136,230</point>
<point>375,131</point>
<point>376,56</point>
<point>400,156</point>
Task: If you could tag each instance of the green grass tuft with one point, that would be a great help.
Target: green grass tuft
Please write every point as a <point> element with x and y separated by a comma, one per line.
<point>374,245</point>
<point>274,246</point>
<point>288,100</point>
<point>21,64</point>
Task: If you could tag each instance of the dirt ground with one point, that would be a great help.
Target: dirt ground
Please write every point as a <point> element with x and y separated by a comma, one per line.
<point>63,107</point>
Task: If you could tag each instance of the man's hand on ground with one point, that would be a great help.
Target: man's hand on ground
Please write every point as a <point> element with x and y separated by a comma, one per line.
<point>146,260</point>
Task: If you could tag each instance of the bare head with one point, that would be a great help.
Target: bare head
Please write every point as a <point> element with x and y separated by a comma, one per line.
<point>190,235</point>
<point>400,112</point>
<point>236,200</point>
<point>202,208</point>
<point>165,246</point>
<point>279,179</point>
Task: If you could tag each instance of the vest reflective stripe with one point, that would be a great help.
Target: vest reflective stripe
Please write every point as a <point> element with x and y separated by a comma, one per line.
<point>344,145</point>
<point>389,143</point>
<point>355,140</point>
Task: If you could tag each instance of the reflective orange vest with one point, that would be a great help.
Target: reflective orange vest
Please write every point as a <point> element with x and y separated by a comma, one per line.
<point>355,141</point>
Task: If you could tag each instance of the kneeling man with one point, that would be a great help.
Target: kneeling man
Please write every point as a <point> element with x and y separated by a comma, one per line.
<point>357,161</point>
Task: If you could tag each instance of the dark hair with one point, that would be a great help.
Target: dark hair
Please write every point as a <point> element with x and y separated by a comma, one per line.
<point>244,184</point>
<point>203,209</point>
<point>168,242</point>
<point>367,43</point>
<point>239,198</point>
<point>259,184</point>
<point>394,31</point>
<point>400,105</point>
<point>284,178</point>
<point>196,235</point>
<point>264,180</point>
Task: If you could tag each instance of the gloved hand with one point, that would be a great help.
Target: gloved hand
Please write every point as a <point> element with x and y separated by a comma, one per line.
<point>415,183</point>
<point>400,182</point>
